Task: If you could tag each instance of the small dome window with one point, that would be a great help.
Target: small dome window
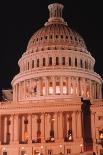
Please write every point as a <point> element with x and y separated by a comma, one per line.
<point>37,62</point>
<point>63,60</point>
<point>46,37</point>
<point>57,61</point>
<point>69,61</point>
<point>66,37</point>
<point>51,36</point>
<point>43,61</point>
<point>61,36</point>
<point>50,61</point>
<point>76,62</point>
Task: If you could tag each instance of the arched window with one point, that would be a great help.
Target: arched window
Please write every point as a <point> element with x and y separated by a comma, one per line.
<point>69,61</point>
<point>50,61</point>
<point>28,65</point>
<point>63,60</point>
<point>43,88</point>
<point>50,88</point>
<point>64,87</point>
<point>32,63</point>
<point>57,87</point>
<point>75,62</point>
<point>37,62</point>
<point>43,61</point>
<point>57,61</point>
<point>81,63</point>
<point>4,153</point>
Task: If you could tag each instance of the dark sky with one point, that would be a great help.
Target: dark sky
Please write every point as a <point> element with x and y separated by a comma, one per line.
<point>20,19</point>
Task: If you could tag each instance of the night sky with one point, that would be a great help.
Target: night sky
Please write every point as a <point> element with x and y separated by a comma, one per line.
<point>20,19</point>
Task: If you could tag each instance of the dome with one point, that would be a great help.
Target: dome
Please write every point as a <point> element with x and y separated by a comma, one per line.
<point>56,64</point>
<point>56,31</point>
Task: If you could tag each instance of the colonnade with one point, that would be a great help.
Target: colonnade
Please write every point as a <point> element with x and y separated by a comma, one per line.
<point>40,127</point>
<point>56,86</point>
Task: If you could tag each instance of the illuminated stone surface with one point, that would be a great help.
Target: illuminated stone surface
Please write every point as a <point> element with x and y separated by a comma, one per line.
<point>57,102</point>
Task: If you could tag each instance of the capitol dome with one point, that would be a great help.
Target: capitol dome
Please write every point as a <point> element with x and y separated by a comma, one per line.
<point>56,64</point>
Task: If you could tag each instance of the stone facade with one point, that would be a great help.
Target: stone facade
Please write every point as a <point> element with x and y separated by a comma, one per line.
<point>57,102</point>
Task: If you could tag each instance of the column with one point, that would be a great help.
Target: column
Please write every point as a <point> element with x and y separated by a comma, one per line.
<point>55,126</point>
<point>61,85</point>
<point>74,125</point>
<point>34,127</point>
<point>29,128</point>
<point>93,125</point>
<point>16,129</point>
<point>5,129</point>
<point>68,89</point>
<point>23,128</point>
<point>54,85</point>
<point>46,86</point>
<point>24,89</point>
<point>60,126</point>
<point>16,97</point>
<point>77,82</point>
<point>47,126</point>
<point>42,127</point>
<point>79,125</point>
<point>11,128</point>
<point>0,129</point>
<point>67,120</point>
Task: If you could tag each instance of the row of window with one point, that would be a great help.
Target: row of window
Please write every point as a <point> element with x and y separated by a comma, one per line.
<point>72,38</point>
<point>58,61</point>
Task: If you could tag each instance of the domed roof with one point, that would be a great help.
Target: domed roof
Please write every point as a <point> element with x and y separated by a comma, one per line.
<point>56,31</point>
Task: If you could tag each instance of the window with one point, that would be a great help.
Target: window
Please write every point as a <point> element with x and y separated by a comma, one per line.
<point>69,61</point>
<point>57,88</point>
<point>76,62</point>
<point>23,152</point>
<point>49,151</point>
<point>63,60</point>
<point>57,61</point>
<point>32,63</point>
<point>64,88</point>
<point>37,62</point>
<point>28,66</point>
<point>50,88</point>
<point>68,151</point>
<point>62,36</point>
<point>4,153</point>
<point>43,61</point>
<point>81,63</point>
<point>50,61</point>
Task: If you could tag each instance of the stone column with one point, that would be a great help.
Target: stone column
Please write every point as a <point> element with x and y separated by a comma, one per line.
<point>55,126</point>
<point>23,128</point>
<point>34,127</point>
<point>79,125</point>
<point>61,85</point>
<point>11,128</point>
<point>74,125</point>
<point>42,127</point>
<point>77,83</point>
<point>5,129</point>
<point>46,86</point>
<point>60,126</point>
<point>54,85</point>
<point>16,129</point>
<point>29,128</point>
<point>47,126</point>
<point>67,120</point>
<point>93,125</point>
<point>68,88</point>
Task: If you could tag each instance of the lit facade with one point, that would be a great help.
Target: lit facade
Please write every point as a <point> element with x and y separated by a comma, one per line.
<point>57,102</point>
